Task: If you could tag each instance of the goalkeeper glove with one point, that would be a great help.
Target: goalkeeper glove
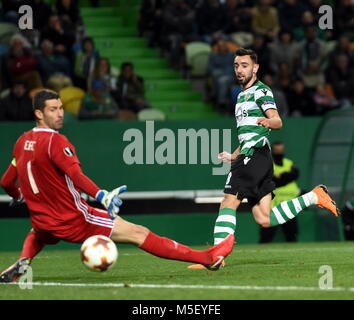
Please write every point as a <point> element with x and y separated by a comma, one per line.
<point>110,200</point>
<point>16,202</point>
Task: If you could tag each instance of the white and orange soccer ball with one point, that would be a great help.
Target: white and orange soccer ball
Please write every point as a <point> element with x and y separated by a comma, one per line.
<point>99,253</point>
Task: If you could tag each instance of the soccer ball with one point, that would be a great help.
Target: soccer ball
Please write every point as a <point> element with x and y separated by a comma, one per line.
<point>99,253</point>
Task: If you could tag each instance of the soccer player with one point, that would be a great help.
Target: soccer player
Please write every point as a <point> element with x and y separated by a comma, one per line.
<point>50,181</point>
<point>251,163</point>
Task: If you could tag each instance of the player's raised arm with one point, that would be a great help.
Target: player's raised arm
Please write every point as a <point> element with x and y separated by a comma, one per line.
<point>273,120</point>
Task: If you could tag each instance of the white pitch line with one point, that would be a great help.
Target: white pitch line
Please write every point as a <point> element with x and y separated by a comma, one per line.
<point>182,286</point>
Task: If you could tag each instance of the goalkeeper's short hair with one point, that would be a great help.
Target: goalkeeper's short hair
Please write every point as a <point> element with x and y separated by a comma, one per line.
<point>39,99</point>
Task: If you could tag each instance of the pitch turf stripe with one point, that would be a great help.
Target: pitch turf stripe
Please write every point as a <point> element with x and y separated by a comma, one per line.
<point>182,286</point>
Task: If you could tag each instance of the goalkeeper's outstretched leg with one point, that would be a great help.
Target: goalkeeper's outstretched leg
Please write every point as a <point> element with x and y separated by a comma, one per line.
<point>212,258</point>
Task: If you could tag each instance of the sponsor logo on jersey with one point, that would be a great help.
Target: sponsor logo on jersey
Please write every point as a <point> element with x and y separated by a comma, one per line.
<point>68,152</point>
<point>264,91</point>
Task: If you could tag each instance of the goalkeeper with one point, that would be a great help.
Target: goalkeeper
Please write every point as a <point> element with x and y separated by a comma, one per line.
<point>50,181</point>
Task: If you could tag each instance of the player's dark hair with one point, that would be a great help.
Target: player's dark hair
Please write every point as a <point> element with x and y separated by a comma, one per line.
<point>247,52</point>
<point>41,97</point>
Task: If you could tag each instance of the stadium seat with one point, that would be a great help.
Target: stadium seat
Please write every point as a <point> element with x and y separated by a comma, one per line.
<point>71,98</point>
<point>151,114</point>
<point>197,57</point>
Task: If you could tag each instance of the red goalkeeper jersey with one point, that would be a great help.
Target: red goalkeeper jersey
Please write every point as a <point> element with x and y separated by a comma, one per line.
<point>51,180</point>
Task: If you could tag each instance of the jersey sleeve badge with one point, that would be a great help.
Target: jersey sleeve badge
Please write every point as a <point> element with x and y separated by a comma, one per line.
<point>68,152</point>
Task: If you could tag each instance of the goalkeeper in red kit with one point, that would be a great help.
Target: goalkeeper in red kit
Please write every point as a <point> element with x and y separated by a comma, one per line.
<point>46,173</point>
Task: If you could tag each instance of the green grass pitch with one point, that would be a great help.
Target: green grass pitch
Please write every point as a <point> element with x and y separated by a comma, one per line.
<point>271,271</point>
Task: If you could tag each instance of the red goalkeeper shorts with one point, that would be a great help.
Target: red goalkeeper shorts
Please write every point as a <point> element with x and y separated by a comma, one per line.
<point>94,222</point>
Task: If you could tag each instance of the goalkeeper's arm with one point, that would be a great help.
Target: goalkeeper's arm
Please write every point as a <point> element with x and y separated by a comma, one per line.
<point>8,182</point>
<point>109,200</point>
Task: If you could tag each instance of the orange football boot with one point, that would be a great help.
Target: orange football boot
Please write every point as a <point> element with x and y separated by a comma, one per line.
<point>325,201</point>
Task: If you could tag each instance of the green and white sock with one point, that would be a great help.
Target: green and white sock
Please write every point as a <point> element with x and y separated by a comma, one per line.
<point>287,210</point>
<point>225,224</point>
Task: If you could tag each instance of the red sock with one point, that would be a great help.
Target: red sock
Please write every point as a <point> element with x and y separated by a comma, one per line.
<point>169,249</point>
<point>31,246</point>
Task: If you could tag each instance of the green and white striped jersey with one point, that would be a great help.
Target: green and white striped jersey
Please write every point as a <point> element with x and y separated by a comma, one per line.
<point>251,104</point>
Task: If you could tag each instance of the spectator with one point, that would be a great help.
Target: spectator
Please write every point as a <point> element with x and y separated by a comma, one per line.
<point>284,78</point>
<point>178,26</point>
<point>300,100</point>
<point>308,19</point>
<point>314,6</point>
<point>343,47</point>
<point>283,50</point>
<point>85,61</point>
<point>17,106</point>
<point>260,46</point>
<point>222,74</point>
<point>312,50</point>
<point>290,14</point>
<point>9,9</point>
<point>238,21</point>
<point>41,12</point>
<point>344,17</point>
<point>131,89</point>
<point>341,76</point>
<point>210,20</point>
<point>59,81</point>
<point>98,104</point>
<point>51,63</point>
<point>150,21</point>
<point>63,38</point>
<point>265,19</point>
<point>279,96</point>
<point>68,11</point>
<point>20,64</point>
<point>324,99</point>
<point>103,72</point>
<point>312,76</point>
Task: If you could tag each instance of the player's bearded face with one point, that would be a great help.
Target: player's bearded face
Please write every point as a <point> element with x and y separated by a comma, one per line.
<point>245,70</point>
<point>52,116</point>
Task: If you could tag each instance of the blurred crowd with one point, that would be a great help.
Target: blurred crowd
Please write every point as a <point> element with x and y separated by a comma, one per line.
<point>59,55</point>
<point>309,69</point>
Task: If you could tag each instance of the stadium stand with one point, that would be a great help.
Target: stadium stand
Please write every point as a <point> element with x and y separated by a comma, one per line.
<point>114,31</point>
